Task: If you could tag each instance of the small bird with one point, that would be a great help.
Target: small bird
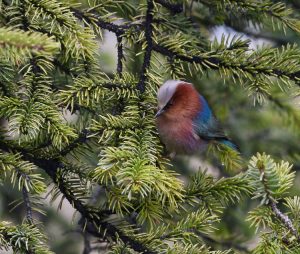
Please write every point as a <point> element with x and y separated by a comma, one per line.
<point>185,121</point>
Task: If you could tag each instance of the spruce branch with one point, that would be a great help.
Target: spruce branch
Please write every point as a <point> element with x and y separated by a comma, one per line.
<point>258,11</point>
<point>174,8</point>
<point>87,244</point>
<point>149,46</point>
<point>215,62</point>
<point>224,243</point>
<point>24,238</point>
<point>120,54</point>
<point>272,178</point>
<point>284,219</point>
<point>14,48</point>
<point>51,167</point>
<point>92,17</point>
<point>27,203</point>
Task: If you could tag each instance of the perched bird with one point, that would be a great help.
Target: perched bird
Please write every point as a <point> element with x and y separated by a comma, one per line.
<point>184,119</point>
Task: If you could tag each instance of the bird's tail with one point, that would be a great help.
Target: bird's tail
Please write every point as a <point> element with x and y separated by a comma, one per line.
<point>228,143</point>
<point>228,154</point>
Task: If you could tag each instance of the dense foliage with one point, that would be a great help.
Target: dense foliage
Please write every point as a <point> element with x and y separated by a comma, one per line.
<point>78,131</point>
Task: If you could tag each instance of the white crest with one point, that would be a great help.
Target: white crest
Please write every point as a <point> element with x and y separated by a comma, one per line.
<point>166,91</point>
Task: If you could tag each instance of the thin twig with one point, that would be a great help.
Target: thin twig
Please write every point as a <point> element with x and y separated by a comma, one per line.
<point>91,17</point>
<point>87,244</point>
<point>82,138</point>
<point>149,46</point>
<point>284,219</point>
<point>174,8</point>
<point>27,203</point>
<point>120,54</point>
<point>281,216</point>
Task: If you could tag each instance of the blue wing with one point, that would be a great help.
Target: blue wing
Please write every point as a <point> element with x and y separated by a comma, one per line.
<point>208,127</point>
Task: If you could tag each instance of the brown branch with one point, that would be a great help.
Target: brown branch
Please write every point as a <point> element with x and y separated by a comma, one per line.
<point>216,62</point>
<point>87,244</point>
<point>27,205</point>
<point>174,8</point>
<point>284,219</point>
<point>149,46</point>
<point>51,167</point>
<point>120,54</point>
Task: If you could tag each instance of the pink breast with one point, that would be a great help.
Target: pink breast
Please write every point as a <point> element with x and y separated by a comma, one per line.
<point>179,137</point>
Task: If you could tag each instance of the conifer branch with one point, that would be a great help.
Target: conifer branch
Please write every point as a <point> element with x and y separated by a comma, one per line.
<point>120,54</point>
<point>216,63</point>
<point>138,186</point>
<point>36,43</point>
<point>224,243</point>
<point>258,10</point>
<point>26,197</point>
<point>24,238</point>
<point>149,46</point>
<point>282,217</point>
<point>81,139</point>
<point>51,166</point>
<point>27,203</point>
<point>100,22</point>
<point>174,8</point>
<point>87,244</point>
<point>285,220</point>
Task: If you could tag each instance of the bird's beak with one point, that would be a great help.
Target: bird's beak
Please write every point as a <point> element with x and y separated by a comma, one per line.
<point>159,112</point>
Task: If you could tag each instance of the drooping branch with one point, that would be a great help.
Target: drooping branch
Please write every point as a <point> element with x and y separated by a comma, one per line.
<point>51,167</point>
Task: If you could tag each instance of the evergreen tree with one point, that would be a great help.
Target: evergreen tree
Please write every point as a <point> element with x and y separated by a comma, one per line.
<point>107,160</point>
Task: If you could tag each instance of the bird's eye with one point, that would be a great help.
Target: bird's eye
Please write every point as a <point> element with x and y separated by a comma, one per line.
<point>169,104</point>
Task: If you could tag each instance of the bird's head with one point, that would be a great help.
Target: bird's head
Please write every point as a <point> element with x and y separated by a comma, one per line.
<point>177,99</point>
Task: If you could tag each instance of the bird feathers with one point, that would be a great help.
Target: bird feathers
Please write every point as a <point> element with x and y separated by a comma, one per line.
<point>166,92</point>
<point>185,122</point>
<point>205,124</point>
<point>208,127</point>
